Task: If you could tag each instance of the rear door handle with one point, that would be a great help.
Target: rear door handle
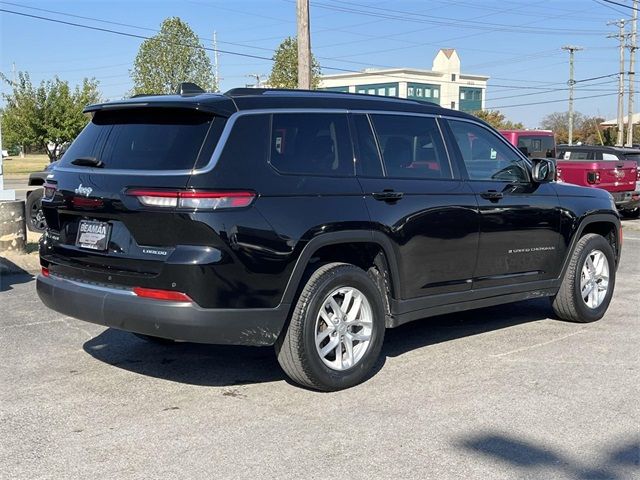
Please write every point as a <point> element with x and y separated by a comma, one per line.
<point>492,195</point>
<point>387,196</point>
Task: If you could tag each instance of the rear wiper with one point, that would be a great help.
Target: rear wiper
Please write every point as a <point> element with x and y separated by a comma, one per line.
<point>88,162</point>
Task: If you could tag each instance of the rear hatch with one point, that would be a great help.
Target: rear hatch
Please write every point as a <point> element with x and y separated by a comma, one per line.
<point>97,200</point>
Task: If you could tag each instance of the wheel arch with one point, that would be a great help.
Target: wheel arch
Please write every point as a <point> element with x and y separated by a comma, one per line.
<point>352,246</point>
<point>604,224</point>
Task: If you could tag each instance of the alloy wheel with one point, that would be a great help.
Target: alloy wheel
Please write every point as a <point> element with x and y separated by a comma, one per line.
<point>343,328</point>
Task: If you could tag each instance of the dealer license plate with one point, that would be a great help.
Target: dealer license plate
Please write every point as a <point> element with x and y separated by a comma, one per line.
<point>93,235</point>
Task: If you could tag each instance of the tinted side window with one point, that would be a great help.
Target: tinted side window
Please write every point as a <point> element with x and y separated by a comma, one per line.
<point>311,144</point>
<point>369,164</point>
<point>486,156</point>
<point>412,147</point>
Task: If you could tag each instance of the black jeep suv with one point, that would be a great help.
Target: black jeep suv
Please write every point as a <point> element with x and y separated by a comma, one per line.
<point>310,221</point>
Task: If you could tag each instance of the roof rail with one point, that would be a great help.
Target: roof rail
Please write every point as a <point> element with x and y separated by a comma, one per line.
<point>186,88</point>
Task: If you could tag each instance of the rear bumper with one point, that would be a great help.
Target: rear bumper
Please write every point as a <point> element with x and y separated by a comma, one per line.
<point>122,309</point>
<point>626,200</point>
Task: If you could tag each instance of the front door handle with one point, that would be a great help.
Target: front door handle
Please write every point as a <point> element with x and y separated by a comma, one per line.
<point>387,196</point>
<point>492,195</point>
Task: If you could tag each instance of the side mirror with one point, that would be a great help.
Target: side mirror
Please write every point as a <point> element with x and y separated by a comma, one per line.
<point>544,170</point>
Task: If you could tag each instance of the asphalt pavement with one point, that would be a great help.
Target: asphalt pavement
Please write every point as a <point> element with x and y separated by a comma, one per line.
<point>499,393</point>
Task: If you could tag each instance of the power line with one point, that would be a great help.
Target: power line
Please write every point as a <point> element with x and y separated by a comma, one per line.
<point>621,4</point>
<point>446,21</point>
<point>551,101</point>
<point>143,37</point>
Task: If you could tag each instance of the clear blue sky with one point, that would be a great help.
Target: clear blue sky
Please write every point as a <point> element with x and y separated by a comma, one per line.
<point>517,43</point>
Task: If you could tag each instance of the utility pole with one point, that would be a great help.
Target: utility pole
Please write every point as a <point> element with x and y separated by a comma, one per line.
<point>621,36</point>
<point>304,45</point>
<point>632,73</point>
<point>572,49</point>
<point>216,74</point>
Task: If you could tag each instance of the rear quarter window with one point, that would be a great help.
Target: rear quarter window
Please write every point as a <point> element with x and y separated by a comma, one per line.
<point>144,139</point>
<point>576,155</point>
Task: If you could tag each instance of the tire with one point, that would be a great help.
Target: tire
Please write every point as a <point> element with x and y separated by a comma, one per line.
<point>155,340</point>
<point>35,218</point>
<point>296,348</point>
<point>569,303</point>
<point>631,214</point>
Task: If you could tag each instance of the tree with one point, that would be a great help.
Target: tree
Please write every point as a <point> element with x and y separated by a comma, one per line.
<point>585,129</point>
<point>172,56</point>
<point>284,73</point>
<point>497,120</point>
<point>50,114</point>
<point>558,122</point>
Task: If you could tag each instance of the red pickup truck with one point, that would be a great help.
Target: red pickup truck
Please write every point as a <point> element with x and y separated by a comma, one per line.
<point>614,169</point>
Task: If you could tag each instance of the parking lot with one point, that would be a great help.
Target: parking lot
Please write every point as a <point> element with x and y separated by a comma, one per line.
<point>503,392</point>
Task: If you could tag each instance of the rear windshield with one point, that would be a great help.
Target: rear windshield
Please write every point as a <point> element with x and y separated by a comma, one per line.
<point>537,146</point>
<point>143,139</point>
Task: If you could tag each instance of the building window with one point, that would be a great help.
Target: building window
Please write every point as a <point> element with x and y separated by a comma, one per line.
<point>335,89</point>
<point>453,77</point>
<point>470,99</point>
<point>423,92</point>
<point>383,89</point>
<point>453,105</point>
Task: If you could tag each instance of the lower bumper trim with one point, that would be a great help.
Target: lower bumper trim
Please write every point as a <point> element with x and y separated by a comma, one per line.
<point>166,319</point>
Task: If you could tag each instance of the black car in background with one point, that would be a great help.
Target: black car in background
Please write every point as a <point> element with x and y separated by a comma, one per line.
<point>35,218</point>
<point>311,221</point>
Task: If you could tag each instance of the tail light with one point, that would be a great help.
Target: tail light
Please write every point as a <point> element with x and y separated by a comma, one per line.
<point>558,174</point>
<point>49,190</point>
<point>157,294</point>
<point>192,199</point>
<point>593,177</point>
<point>45,272</point>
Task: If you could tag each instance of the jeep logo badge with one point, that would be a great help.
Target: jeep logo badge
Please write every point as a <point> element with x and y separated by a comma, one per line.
<point>86,191</point>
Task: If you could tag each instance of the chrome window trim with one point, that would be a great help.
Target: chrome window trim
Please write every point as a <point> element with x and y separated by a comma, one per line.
<point>217,152</point>
<point>231,120</point>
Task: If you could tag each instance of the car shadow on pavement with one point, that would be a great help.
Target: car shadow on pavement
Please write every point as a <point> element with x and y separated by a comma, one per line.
<point>223,365</point>
<point>541,461</point>
<point>7,280</point>
<point>434,330</point>
<point>190,363</point>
